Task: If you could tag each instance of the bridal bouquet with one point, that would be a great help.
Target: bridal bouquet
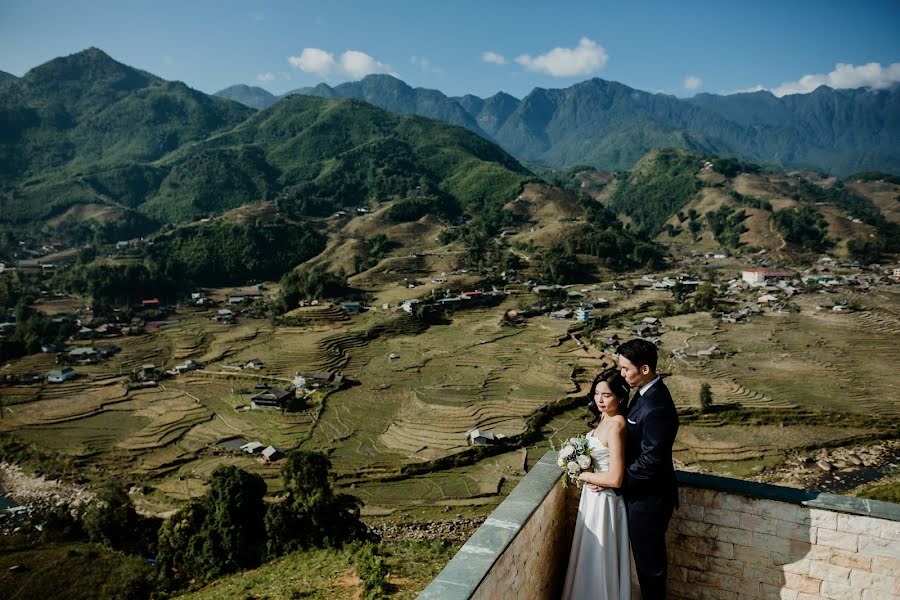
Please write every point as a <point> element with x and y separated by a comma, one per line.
<point>574,458</point>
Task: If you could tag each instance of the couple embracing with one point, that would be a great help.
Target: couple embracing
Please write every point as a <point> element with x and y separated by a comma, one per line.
<point>630,493</point>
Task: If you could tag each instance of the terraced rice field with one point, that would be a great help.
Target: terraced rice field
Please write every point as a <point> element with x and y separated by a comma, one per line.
<point>783,371</point>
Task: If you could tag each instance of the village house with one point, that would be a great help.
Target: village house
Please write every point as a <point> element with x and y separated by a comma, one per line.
<point>316,378</point>
<point>252,447</point>
<point>61,375</point>
<point>53,348</point>
<point>255,364</point>
<point>190,365</point>
<point>762,276</point>
<point>353,308</point>
<point>271,454</point>
<point>84,355</point>
<point>273,397</point>
<point>240,298</point>
<point>477,437</point>
<point>582,315</point>
<point>409,305</point>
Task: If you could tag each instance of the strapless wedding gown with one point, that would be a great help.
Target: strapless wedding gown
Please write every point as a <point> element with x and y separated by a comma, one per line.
<point>600,559</point>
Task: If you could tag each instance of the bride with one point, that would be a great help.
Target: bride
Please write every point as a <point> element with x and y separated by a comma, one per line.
<point>600,559</point>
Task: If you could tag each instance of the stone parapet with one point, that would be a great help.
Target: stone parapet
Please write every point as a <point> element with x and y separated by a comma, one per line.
<point>729,539</point>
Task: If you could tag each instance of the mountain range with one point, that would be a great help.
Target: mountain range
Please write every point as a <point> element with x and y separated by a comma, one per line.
<point>610,126</point>
<point>86,135</point>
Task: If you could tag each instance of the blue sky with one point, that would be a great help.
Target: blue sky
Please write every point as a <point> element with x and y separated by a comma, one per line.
<point>678,47</point>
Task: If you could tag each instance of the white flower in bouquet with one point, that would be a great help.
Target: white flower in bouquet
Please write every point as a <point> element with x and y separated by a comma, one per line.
<point>574,457</point>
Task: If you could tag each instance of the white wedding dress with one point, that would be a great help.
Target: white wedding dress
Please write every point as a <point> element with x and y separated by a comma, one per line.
<point>600,559</point>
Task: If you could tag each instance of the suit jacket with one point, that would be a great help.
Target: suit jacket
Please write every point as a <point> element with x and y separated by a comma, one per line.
<point>651,429</point>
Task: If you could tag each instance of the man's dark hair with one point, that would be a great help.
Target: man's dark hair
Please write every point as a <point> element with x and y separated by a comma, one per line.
<point>639,352</point>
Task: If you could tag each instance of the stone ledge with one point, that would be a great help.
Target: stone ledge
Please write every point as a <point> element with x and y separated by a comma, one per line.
<point>809,499</point>
<point>465,571</point>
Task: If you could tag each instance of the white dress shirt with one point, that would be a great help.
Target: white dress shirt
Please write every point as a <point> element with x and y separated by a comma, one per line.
<point>646,386</point>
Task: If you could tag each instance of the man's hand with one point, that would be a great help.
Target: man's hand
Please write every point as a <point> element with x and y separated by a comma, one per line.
<point>595,488</point>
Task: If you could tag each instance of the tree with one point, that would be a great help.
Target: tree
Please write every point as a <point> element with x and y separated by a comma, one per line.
<point>311,515</point>
<point>113,522</point>
<point>221,533</point>
<point>706,398</point>
<point>705,297</point>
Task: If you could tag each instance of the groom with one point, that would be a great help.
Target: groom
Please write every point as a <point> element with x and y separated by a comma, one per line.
<point>649,486</point>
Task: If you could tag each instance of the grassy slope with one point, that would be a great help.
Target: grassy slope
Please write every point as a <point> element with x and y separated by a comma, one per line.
<point>66,570</point>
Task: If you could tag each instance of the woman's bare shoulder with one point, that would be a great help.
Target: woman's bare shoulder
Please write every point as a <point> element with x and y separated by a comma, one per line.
<point>617,423</point>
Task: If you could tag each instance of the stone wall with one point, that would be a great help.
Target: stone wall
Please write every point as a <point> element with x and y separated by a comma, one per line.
<point>521,549</point>
<point>735,546</point>
<point>729,540</point>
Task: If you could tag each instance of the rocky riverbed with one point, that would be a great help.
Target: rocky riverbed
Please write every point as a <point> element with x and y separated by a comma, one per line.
<point>451,530</point>
<point>32,495</point>
<point>837,470</point>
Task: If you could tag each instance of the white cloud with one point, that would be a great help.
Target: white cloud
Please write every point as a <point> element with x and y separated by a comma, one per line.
<point>265,77</point>
<point>359,64</point>
<point>871,75</point>
<point>352,63</point>
<point>493,58</point>
<point>586,58</point>
<point>425,65</point>
<point>692,83</point>
<point>750,90</point>
<point>314,60</point>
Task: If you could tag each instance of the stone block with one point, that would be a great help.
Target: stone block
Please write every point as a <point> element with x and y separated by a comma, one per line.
<point>772,592</point>
<point>685,558</point>
<point>890,530</point>
<point>691,512</point>
<point>764,575</point>
<point>839,539</point>
<point>852,560</point>
<point>709,579</point>
<point>839,591</point>
<point>680,589</point>
<point>807,550</point>
<point>795,531</point>
<point>752,556</point>
<point>879,595</point>
<point>801,583</point>
<point>874,581</point>
<point>859,524</point>
<point>799,567</point>
<point>816,517</point>
<point>720,516</point>
<point>695,528</point>
<point>874,546</point>
<point>757,523</point>
<point>706,546</point>
<point>771,543</point>
<point>779,510</point>
<point>886,566</point>
<point>732,535</point>
<point>740,503</point>
<point>726,566</point>
<point>825,571</point>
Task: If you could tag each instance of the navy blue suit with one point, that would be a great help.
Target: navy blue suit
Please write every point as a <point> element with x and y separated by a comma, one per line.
<point>649,486</point>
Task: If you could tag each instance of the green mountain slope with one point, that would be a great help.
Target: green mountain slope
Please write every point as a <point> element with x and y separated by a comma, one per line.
<point>252,96</point>
<point>396,96</point>
<point>315,155</point>
<point>87,109</point>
